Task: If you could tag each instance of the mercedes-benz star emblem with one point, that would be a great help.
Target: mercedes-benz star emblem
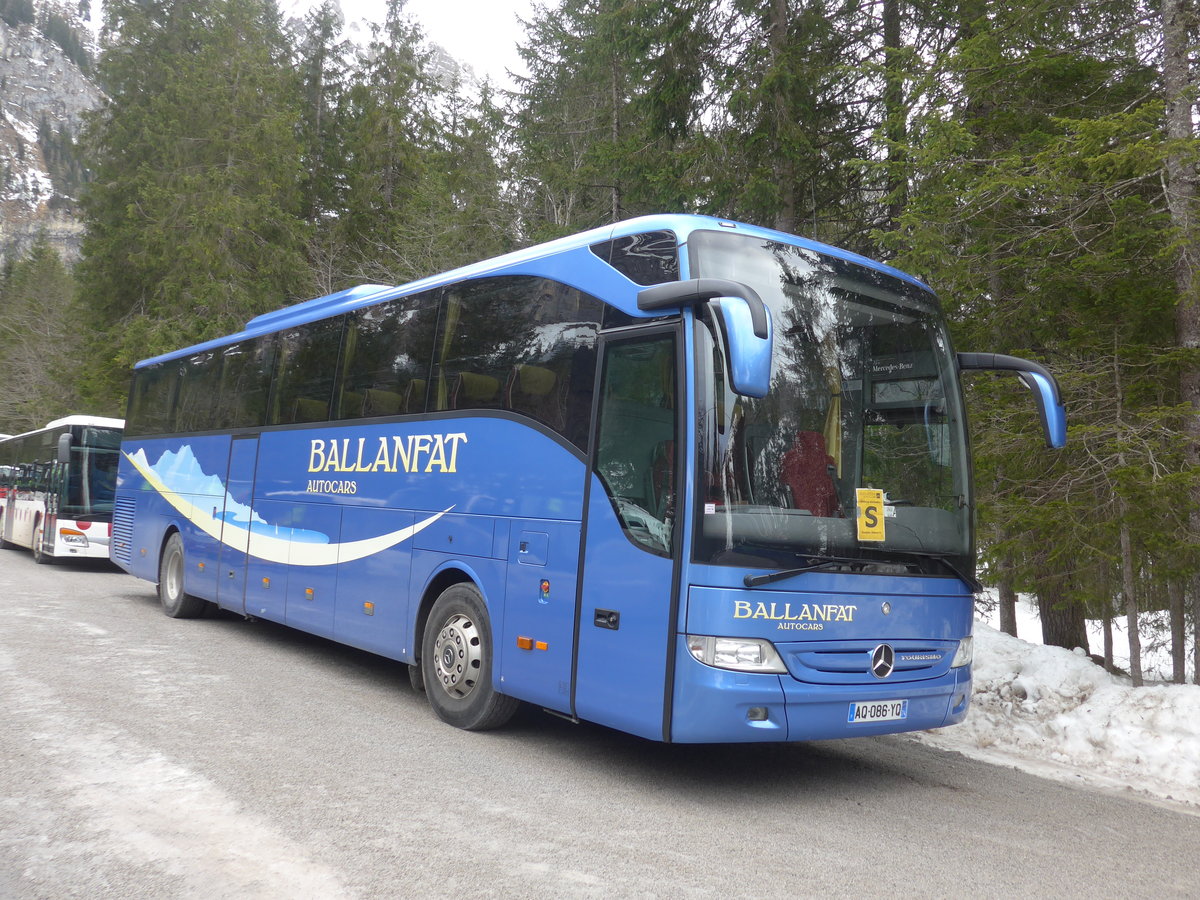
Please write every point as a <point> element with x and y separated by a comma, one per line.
<point>883,661</point>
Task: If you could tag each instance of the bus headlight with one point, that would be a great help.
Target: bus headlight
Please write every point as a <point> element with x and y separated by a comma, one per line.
<point>965,653</point>
<point>738,654</point>
<point>73,537</point>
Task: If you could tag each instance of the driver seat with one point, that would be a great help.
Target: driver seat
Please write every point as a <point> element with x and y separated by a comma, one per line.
<point>806,474</point>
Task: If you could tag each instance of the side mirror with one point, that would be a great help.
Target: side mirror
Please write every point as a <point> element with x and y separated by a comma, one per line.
<point>744,320</point>
<point>64,447</point>
<point>1035,377</point>
<point>747,355</point>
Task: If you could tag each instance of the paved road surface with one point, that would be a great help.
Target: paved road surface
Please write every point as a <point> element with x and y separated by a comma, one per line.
<point>219,758</point>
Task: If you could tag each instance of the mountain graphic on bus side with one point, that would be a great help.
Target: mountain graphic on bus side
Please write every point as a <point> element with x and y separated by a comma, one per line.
<point>178,475</point>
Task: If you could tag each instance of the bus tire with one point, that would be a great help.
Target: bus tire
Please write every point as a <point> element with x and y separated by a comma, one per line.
<point>456,660</point>
<point>416,678</point>
<point>175,602</point>
<point>39,553</point>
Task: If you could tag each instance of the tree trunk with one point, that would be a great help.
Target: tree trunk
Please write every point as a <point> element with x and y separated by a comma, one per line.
<point>895,118</point>
<point>1131,609</point>
<point>1109,665</point>
<point>1196,629</point>
<point>1062,622</point>
<point>1178,631</point>
<point>614,86</point>
<point>785,167</point>
<point>1008,607</point>
<point>1128,588</point>
<point>1177,22</point>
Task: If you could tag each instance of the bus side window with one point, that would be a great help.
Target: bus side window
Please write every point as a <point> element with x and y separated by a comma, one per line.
<point>199,385</point>
<point>152,399</point>
<point>648,258</point>
<point>477,337</point>
<point>553,377</point>
<point>636,439</point>
<point>387,354</point>
<point>523,344</point>
<point>306,371</point>
<point>245,382</point>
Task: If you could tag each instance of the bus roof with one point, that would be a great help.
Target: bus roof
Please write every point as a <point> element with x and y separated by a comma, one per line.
<point>98,421</point>
<point>517,262</point>
<point>94,421</point>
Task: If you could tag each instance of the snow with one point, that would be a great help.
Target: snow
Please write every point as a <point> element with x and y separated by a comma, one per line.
<point>27,130</point>
<point>1055,713</point>
<point>26,184</point>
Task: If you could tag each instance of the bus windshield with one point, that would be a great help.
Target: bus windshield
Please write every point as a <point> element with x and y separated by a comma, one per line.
<point>91,474</point>
<point>863,395</point>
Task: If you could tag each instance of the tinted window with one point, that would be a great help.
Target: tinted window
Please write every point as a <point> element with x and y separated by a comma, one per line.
<point>245,383</point>
<point>389,348</point>
<point>223,388</point>
<point>199,386</point>
<point>152,398</point>
<point>306,370</point>
<point>636,442</point>
<point>649,258</point>
<point>522,344</point>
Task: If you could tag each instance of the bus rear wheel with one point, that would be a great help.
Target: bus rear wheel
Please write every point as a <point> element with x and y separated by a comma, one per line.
<point>176,603</point>
<point>456,661</point>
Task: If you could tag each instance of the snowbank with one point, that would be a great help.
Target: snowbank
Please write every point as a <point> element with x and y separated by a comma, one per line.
<point>1055,713</point>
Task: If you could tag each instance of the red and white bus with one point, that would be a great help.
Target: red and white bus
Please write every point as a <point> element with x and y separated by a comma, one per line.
<point>56,488</point>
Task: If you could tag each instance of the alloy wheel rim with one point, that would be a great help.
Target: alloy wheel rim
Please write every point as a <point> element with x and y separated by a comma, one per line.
<point>175,575</point>
<point>458,656</point>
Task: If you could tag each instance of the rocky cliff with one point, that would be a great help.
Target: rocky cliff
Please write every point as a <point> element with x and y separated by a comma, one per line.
<point>43,95</point>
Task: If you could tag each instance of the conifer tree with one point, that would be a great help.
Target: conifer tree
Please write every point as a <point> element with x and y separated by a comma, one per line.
<point>1033,205</point>
<point>324,61</point>
<point>795,118</point>
<point>39,342</point>
<point>1179,27</point>
<point>603,119</point>
<point>421,179</point>
<point>194,213</point>
<point>389,129</point>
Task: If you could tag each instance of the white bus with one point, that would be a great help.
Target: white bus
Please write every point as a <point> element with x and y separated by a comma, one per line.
<point>56,488</point>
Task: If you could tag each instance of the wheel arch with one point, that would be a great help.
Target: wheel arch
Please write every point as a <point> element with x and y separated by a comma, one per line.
<point>172,528</point>
<point>445,577</point>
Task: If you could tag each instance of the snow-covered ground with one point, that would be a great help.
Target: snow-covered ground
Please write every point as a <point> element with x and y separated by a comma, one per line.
<point>1055,713</point>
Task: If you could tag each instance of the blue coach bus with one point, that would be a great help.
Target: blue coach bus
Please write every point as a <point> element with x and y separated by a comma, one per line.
<point>687,478</point>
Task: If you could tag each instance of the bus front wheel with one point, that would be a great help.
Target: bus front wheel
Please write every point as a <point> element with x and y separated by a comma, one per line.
<point>39,552</point>
<point>176,603</point>
<point>456,661</point>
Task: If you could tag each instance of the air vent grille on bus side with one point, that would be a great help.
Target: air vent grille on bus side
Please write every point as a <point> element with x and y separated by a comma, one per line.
<point>122,529</point>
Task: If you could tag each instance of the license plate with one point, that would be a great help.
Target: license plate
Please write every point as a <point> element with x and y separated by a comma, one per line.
<point>878,711</point>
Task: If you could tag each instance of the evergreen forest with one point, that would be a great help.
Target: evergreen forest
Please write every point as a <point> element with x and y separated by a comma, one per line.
<point>1034,161</point>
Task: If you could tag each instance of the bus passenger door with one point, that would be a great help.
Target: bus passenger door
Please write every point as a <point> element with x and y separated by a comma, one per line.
<point>235,523</point>
<point>626,617</point>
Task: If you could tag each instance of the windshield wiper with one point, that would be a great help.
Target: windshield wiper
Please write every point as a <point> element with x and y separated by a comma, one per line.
<point>970,580</point>
<point>815,564</point>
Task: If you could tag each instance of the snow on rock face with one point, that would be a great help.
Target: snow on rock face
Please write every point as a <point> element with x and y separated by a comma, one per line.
<point>1055,712</point>
<point>39,84</point>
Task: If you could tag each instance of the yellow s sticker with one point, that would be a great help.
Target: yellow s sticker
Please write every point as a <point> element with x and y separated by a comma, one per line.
<point>870,514</point>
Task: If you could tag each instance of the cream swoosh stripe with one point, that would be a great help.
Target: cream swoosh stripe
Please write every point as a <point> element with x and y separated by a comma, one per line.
<point>274,549</point>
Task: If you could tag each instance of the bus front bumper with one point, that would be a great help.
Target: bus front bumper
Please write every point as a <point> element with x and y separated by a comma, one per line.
<point>714,705</point>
